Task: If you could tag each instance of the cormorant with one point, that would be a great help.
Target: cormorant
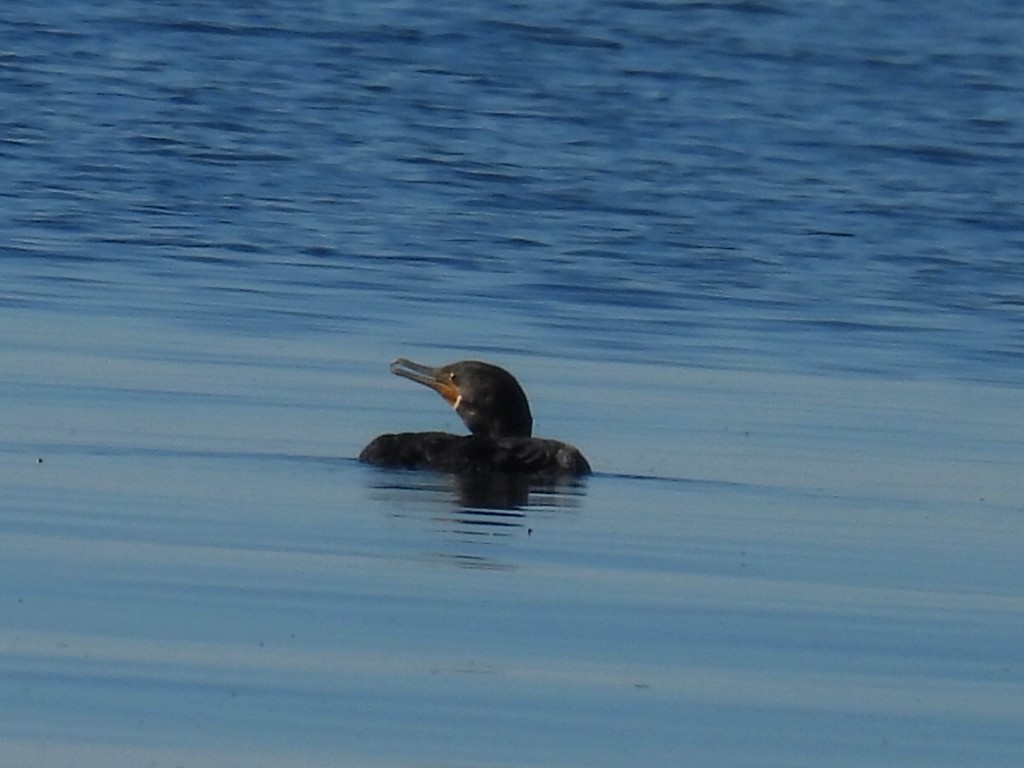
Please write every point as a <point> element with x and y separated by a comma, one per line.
<point>493,405</point>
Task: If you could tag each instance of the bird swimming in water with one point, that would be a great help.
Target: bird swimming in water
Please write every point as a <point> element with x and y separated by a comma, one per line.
<point>493,405</point>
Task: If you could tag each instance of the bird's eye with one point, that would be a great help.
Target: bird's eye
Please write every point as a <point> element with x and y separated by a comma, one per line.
<point>452,377</point>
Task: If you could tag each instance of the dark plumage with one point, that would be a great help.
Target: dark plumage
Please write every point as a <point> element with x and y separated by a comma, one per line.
<point>493,405</point>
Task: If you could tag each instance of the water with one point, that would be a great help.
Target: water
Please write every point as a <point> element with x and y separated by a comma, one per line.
<point>760,261</point>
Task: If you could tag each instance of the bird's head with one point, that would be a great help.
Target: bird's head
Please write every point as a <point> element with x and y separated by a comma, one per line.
<point>487,398</point>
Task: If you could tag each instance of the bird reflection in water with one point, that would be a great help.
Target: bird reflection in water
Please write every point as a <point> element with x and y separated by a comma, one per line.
<point>488,493</point>
<point>485,512</point>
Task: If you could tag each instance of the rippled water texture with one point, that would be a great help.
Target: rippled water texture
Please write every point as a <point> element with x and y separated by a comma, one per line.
<point>760,261</point>
<point>835,185</point>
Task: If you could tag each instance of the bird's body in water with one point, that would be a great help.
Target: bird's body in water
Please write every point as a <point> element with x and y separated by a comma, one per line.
<point>491,403</point>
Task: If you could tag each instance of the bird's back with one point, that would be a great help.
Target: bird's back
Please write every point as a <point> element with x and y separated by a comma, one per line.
<point>445,452</point>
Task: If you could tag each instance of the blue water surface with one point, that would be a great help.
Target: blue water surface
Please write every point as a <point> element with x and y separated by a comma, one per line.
<point>772,185</point>
<point>761,261</point>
